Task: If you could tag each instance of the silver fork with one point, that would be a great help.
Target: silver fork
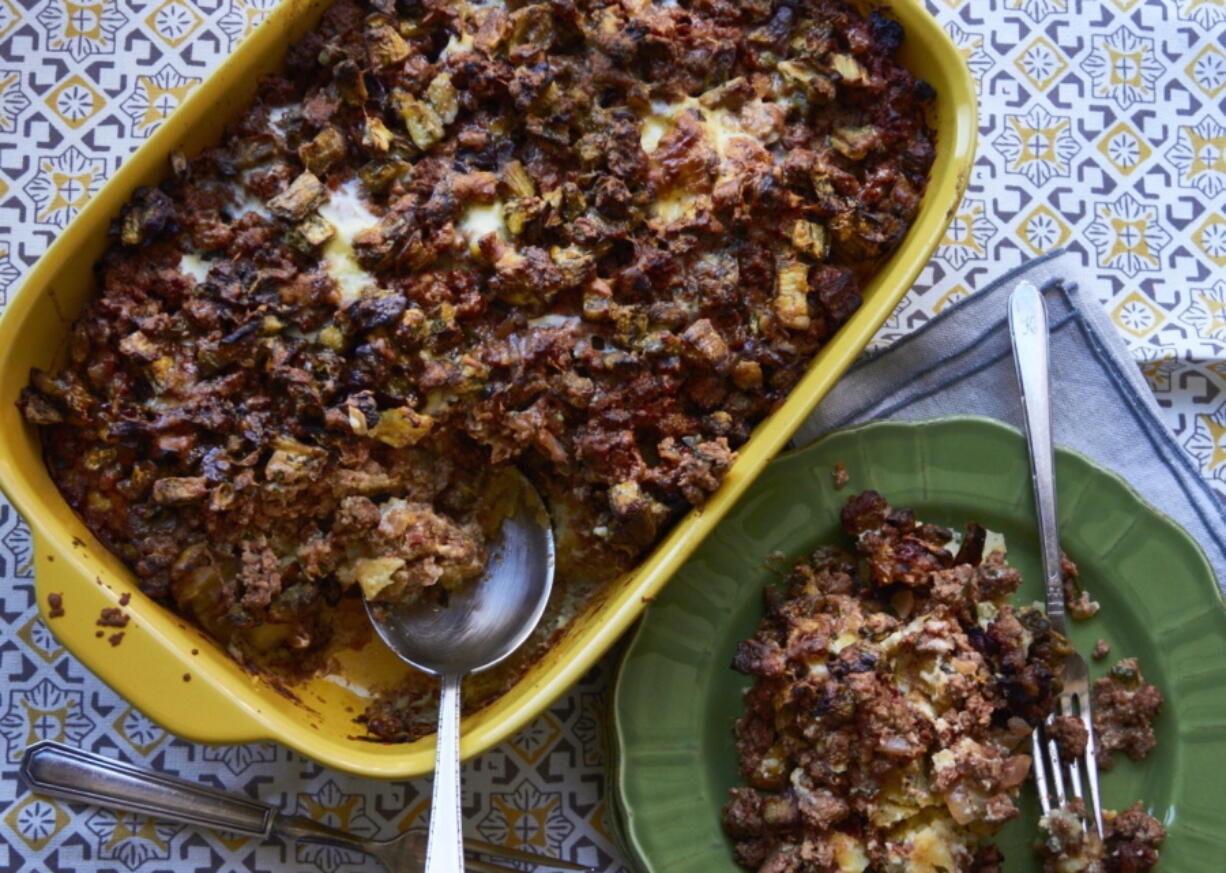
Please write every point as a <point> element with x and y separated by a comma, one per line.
<point>1028,328</point>
<point>56,770</point>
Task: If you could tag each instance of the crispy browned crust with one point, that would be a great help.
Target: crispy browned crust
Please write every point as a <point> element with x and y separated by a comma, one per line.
<point>893,698</point>
<point>1132,840</point>
<point>236,439</point>
<point>1124,707</point>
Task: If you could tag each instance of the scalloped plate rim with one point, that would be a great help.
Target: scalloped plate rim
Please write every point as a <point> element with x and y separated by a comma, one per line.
<point>627,822</point>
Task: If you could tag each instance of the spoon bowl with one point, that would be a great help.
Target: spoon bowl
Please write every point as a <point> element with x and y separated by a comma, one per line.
<point>480,624</point>
<point>486,619</point>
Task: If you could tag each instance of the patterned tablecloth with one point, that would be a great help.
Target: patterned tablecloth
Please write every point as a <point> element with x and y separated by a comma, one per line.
<point>1103,128</point>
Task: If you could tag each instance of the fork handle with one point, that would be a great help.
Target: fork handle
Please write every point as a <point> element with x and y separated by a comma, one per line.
<point>1028,327</point>
<point>57,770</point>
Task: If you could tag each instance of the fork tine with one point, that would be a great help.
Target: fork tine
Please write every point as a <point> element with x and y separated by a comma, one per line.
<point>507,852</point>
<point>1091,763</point>
<point>1040,769</point>
<point>1074,771</point>
<point>1057,777</point>
<point>477,866</point>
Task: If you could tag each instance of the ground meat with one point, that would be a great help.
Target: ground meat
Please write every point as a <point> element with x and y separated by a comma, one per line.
<point>1070,735</point>
<point>1133,840</point>
<point>845,706</point>
<point>1076,599</point>
<point>1102,648</point>
<point>1124,706</point>
<point>1070,844</point>
<point>260,574</point>
<point>546,273</point>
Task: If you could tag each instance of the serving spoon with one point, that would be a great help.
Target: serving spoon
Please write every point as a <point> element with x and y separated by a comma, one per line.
<point>483,622</point>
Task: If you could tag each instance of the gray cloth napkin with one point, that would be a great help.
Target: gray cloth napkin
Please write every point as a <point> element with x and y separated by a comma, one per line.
<point>961,362</point>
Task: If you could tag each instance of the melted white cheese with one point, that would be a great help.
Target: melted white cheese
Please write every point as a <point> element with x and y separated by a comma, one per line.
<point>348,213</point>
<point>553,320</point>
<point>463,41</point>
<point>276,116</point>
<point>244,203</point>
<point>191,264</point>
<point>719,128</point>
<point>660,121</point>
<point>339,680</point>
<point>479,220</point>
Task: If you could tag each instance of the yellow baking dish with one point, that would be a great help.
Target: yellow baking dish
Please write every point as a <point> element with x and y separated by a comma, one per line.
<point>175,674</point>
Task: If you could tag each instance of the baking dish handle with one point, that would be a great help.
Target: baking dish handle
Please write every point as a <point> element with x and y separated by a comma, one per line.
<point>202,711</point>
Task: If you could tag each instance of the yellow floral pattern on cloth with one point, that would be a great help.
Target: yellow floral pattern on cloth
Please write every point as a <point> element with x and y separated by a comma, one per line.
<point>1103,130</point>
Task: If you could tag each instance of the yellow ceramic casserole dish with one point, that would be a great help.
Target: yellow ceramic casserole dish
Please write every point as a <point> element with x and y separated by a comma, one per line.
<point>176,675</point>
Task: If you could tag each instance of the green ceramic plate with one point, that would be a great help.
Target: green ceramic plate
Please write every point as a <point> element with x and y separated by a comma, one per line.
<point>675,697</point>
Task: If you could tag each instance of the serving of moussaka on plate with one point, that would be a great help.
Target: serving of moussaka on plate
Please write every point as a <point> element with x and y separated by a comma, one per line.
<point>597,242</point>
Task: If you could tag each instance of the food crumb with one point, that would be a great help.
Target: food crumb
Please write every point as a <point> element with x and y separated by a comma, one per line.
<point>115,638</point>
<point>1070,735</point>
<point>1076,599</point>
<point>777,562</point>
<point>56,602</point>
<point>840,475</point>
<point>125,598</point>
<point>1124,705</point>
<point>1102,648</point>
<point>112,616</point>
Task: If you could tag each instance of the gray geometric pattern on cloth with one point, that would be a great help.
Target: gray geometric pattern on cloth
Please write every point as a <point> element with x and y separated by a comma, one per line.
<point>1102,128</point>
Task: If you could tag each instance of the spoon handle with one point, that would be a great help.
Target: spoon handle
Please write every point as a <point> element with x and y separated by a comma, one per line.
<point>445,846</point>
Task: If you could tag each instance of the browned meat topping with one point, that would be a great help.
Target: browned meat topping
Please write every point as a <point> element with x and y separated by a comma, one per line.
<point>1068,845</point>
<point>1124,706</point>
<point>598,241</point>
<point>1133,839</point>
<point>1070,735</point>
<point>1102,649</point>
<point>887,726</point>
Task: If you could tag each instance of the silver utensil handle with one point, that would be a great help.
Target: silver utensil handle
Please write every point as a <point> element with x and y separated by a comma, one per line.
<point>74,774</point>
<point>445,845</point>
<point>1028,327</point>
